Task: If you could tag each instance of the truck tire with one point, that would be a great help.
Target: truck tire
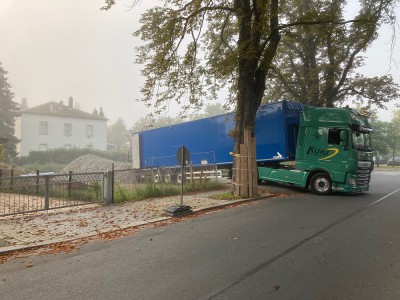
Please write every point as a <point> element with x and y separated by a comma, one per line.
<point>321,184</point>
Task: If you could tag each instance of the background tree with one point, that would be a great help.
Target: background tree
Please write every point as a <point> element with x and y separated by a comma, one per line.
<point>8,110</point>
<point>380,137</point>
<point>317,64</point>
<point>151,121</point>
<point>213,109</point>
<point>118,134</point>
<point>394,134</point>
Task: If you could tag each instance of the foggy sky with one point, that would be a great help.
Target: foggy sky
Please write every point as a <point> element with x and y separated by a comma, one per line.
<point>53,49</point>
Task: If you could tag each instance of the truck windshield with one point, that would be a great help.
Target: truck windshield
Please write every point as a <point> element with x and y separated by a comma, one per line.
<point>362,141</point>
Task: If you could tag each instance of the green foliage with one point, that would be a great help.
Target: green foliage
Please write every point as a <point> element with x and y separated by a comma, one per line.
<point>8,110</point>
<point>381,137</point>
<point>153,190</point>
<point>192,50</point>
<point>317,64</point>
<point>149,122</point>
<point>386,135</point>
<point>393,132</point>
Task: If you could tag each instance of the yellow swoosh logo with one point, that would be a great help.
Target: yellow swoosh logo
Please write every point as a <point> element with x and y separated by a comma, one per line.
<point>335,151</point>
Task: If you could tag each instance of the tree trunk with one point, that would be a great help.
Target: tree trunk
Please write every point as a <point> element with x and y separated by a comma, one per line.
<point>255,59</point>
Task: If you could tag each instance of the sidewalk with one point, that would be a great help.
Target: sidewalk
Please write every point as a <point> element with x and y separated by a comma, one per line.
<point>68,224</point>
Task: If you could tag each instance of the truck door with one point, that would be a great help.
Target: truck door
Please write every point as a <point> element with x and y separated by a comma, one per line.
<point>337,153</point>
<point>326,147</point>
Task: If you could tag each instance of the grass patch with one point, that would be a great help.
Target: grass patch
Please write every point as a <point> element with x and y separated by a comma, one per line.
<point>153,190</point>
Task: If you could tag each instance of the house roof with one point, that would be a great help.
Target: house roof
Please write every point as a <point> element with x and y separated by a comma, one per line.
<point>60,110</point>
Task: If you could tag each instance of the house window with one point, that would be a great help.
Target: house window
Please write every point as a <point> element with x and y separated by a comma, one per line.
<point>43,128</point>
<point>67,129</point>
<point>89,131</point>
<point>42,147</point>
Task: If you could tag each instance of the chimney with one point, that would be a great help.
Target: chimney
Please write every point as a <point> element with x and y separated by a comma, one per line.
<point>71,102</point>
<point>61,102</point>
<point>24,104</point>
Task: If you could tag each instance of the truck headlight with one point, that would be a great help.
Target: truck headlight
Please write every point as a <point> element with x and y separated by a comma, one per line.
<point>352,181</point>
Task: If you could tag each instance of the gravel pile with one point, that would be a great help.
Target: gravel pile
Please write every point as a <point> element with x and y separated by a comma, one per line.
<point>93,163</point>
<point>6,170</point>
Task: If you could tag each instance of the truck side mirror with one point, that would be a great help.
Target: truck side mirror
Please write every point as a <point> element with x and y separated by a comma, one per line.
<point>343,138</point>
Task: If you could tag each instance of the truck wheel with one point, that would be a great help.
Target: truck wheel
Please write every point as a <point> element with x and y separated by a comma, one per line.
<point>321,184</point>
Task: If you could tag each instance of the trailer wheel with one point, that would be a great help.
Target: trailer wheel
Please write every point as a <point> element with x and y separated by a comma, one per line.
<point>179,178</point>
<point>321,184</point>
<point>167,177</point>
<point>157,178</point>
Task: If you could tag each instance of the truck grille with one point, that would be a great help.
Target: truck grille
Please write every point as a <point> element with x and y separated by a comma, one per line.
<point>363,173</point>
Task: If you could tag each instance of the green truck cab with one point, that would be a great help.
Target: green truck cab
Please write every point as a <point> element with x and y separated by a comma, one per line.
<point>333,153</point>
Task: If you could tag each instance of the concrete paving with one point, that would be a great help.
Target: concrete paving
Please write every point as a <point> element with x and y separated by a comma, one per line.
<point>43,228</point>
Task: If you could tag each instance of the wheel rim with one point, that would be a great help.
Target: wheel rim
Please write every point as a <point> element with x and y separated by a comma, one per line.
<point>179,178</point>
<point>156,178</point>
<point>321,185</point>
<point>167,178</point>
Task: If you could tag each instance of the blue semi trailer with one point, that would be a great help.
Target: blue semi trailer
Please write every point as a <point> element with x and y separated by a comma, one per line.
<point>209,140</point>
<point>330,148</point>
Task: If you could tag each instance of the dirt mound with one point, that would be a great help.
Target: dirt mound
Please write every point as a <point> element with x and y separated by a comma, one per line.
<point>93,163</point>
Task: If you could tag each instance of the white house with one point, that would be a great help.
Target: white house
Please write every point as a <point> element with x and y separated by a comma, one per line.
<point>55,125</point>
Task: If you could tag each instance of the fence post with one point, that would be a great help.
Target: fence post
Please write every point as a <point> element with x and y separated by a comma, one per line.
<point>46,192</point>
<point>69,183</point>
<point>11,180</point>
<point>37,182</point>
<point>112,184</point>
<point>108,195</point>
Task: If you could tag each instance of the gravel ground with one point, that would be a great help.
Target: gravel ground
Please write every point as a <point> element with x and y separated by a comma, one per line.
<point>17,232</point>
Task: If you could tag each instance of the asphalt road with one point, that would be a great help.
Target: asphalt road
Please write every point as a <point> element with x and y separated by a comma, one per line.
<point>302,246</point>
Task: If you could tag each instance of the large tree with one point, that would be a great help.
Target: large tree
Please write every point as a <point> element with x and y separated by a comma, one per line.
<point>194,48</point>
<point>8,110</point>
<point>317,64</point>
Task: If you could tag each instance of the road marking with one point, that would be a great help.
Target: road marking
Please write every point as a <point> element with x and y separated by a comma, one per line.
<point>294,247</point>
<point>383,198</point>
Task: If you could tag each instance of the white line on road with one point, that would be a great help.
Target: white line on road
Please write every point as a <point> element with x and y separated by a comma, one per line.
<point>384,197</point>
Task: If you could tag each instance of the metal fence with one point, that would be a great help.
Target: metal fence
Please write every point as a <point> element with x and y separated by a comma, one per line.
<point>166,175</point>
<point>35,192</point>
<point>31,193</point>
